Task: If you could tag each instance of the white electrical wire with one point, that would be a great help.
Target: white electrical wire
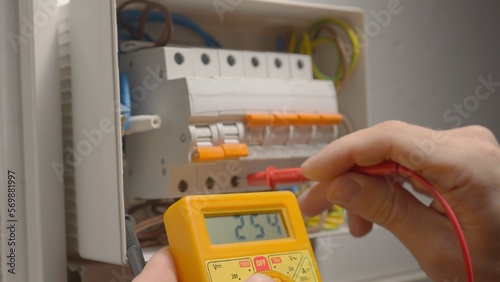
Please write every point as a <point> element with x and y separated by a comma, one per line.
<point>143,123</point>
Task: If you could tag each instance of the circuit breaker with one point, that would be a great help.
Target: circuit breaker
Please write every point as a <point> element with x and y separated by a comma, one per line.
<point>214,119</point>
<point>225,112</point>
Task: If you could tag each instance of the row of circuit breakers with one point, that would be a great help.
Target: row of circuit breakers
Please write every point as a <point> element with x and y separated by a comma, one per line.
<point>224,114</point>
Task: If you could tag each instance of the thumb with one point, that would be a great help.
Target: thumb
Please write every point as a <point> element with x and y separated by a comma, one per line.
<point>259,278</point>
<point>159,268</point>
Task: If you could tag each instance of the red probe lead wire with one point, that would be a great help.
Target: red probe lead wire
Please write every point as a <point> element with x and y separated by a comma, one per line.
<point>294,175</point>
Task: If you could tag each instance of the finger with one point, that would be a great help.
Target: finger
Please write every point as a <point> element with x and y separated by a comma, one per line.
<point>358,226</point>
<point>365,147</point>
<point>475,133</point>
<point>393,208</point>
<point>377,200</point>
<point>160,268</point>
<point>435,205</point>
<point>313,201</point>
<point>419,188</point>
<point>434,154</point>
<point>260,278</point>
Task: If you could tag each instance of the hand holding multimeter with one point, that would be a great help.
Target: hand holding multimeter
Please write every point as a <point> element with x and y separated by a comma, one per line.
<point>230,237</point>
<point>463,163</point>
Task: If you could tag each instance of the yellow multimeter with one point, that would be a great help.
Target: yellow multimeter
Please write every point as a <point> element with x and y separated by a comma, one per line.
<point>229,237</point>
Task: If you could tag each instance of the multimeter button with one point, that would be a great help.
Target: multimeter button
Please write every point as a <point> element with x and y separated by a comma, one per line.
<point>261,263</point>
<point>306,270</point>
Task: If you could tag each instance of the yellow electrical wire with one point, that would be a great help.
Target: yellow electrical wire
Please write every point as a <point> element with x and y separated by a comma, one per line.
<point>333,219</point>
<point>292,42</point>
<point>317,72</point>
<point>351,34</point>
<point>328,220</point>
<point>307,46</point>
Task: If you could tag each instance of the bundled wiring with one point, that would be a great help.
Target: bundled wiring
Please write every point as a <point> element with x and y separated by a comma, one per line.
<point>351,34</point>
<point>133,16</point>
<point>148,223</point>
<point>312,39</point>
<point>336,40</point>
<point>149,229</point>
<point>139,33</point>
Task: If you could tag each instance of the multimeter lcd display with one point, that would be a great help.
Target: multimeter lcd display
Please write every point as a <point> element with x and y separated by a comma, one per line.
<point>245,228</point>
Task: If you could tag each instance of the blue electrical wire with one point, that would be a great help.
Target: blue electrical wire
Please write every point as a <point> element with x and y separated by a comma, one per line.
<point>125,99</point>
<point>281,43</point>
<point>209,40</point>
<point>127,36</point>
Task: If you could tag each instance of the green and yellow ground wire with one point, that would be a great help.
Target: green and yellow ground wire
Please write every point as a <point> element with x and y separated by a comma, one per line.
<point>351,34</point>
<point>311,39</point>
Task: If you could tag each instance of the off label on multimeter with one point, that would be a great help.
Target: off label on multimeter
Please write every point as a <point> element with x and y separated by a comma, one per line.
<point>220,238</point>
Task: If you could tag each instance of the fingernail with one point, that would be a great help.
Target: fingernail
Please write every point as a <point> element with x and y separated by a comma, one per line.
<point>343,193</point>
<point>307,171</point>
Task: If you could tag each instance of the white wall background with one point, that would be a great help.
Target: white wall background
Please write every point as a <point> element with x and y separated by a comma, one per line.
<point>429,57</point>
<point>425,60</point>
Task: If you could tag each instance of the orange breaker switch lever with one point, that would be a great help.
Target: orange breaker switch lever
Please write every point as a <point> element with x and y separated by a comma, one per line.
<point>272,177</point>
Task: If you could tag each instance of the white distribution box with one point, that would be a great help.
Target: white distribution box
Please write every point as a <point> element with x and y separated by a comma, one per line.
<point>191,103</point>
